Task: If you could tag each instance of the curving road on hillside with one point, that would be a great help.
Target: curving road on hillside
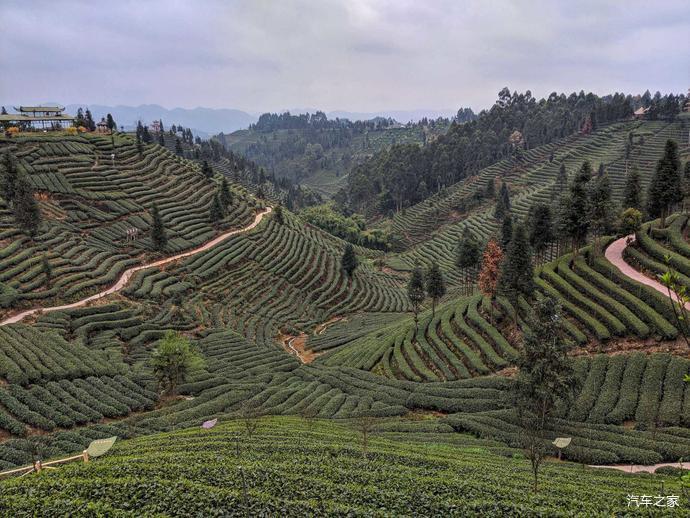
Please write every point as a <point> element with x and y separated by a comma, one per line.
<point>127,275</point>
<point>614,254</point>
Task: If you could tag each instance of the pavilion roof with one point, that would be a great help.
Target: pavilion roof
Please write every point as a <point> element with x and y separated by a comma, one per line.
<point>10,117</point>
<point>40,108</point>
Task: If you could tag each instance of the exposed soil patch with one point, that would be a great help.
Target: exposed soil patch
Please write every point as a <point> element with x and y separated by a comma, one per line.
<point>296,345</point>
<point>507,372</point>
<point>321,328</point>
<point>391,271</point>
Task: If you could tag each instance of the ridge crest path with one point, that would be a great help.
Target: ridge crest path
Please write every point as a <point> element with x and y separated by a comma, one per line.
<point>127,274</point>
<point>614,254</point>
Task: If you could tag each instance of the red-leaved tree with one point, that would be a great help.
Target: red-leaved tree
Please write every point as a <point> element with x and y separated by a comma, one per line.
<point>491,269</point>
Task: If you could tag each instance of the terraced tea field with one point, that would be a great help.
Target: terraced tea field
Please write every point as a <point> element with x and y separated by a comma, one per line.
<point>294,467</point>
<point>81,373</point>
<point>433,227</point>
<point>88,203</point>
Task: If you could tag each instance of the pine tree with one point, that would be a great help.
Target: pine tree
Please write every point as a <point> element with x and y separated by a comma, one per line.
<point>490,189</point>
<point>561,184</point>
<point>225,194</point>
<point>665,187</point>
<point>435,285</point>
<point>545,378</point>
<point>506,231</point>
<point>279,214</point>
<point>686,185</point>
<point>540,228</point>
<point>47,270</point>
<point>491,268</point>
<point>349,260</point>
<point>516,269</point>
<point>140,146</point>
<point>10,177</point>
<point>207,170</point>
<point>146,135</point>
<point>88,120</point>
<point>158,233</point>
<point>80,118</point>
<point>111,123</point>
<point>632,198</point>
<point>178,147</point>
<point>601,213</point>
<point>416,293</point>
<point>161,139</point>
<point>26,212</point>
<point>468,253</point>
<point>574,217</point>
<point>216,210</point>
<point>502,203</point>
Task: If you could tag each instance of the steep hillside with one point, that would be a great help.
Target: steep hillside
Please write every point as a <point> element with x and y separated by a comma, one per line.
<point>284,330</point>
<point>89,200</point>
<point>433,228</point>
<point>319,153</point>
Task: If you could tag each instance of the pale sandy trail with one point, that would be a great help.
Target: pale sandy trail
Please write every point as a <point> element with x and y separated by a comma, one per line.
<point>614,254</point>
<point>641,468</point>
<point>127,275</point>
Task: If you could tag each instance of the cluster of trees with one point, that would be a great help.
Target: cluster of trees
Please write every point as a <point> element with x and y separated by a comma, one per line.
<point>85,119</point>
<point>582,209</point>
<point>402,175</point>
<point>173,359</point>
<point>295,197</point>
<point>351,228</point>
<point>296,146</point>
<point>19,195</point>
<point>425,284</point>
<point>221,202</point>
<point>660,106</point>
<point>273,121</point>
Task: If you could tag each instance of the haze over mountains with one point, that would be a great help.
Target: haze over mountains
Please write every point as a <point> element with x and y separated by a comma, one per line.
<point>208,121</point>
<point>205,122</point>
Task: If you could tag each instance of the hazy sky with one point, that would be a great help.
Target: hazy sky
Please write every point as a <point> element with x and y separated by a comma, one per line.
<point>363,55</point>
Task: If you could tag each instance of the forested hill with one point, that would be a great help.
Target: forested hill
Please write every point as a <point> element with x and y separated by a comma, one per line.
<point>318,152</point>
<point>405,174</point>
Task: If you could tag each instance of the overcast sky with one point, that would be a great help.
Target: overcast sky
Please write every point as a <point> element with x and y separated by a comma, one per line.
<point>358,55</point>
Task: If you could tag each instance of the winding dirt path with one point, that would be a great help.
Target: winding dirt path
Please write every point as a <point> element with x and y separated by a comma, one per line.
<point>614,254</point>
<point>641,468</point>
<point>127,275</point>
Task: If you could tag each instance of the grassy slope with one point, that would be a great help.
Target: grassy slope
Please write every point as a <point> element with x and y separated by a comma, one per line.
<point>295,468</point>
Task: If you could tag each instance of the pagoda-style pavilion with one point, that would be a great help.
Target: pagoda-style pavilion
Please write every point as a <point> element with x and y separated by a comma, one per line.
<point>39,117</point>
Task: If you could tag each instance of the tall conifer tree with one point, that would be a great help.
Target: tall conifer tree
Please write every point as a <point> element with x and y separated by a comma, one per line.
<point>435,285</point>
<point>158,233</point>
<point>665,187</point>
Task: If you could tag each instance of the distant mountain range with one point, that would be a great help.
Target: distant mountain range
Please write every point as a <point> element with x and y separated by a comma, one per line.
<point>205,122</point>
